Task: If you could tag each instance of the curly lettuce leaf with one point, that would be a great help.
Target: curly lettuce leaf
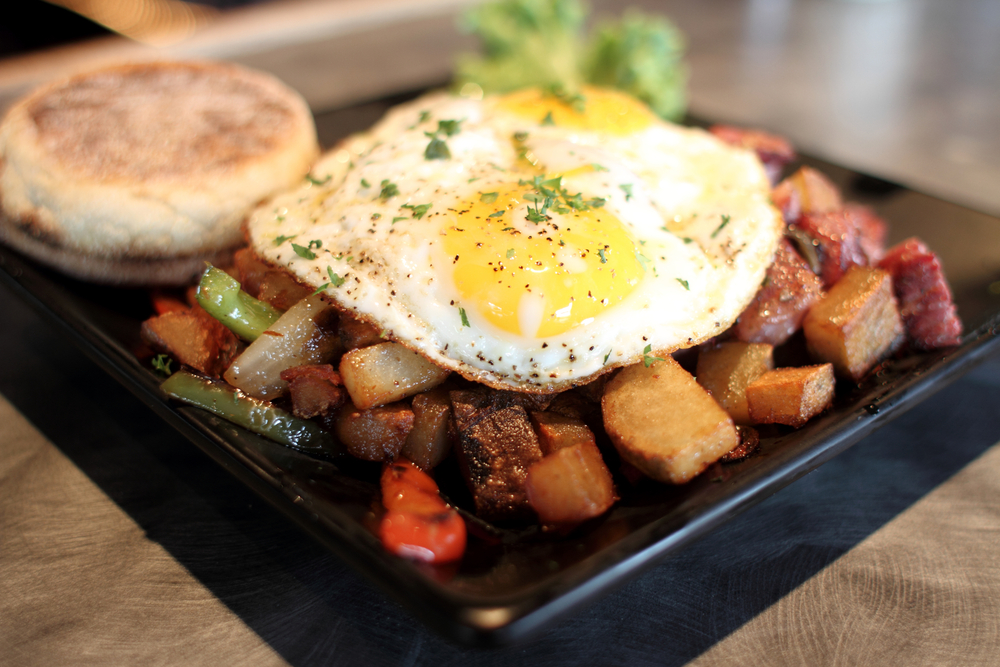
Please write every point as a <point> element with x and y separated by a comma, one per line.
<point>644,56</point>
<point>525,43</point>
<point>541,43</point>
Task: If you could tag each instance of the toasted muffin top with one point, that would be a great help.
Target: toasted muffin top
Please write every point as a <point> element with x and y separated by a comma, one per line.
<point>148,161</point>
<point>161,120</point>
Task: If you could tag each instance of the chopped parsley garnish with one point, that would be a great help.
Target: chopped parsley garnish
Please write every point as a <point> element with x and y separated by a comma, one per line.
<point>643,260</point>
<point>161,364</point>
<point>607,356</point>
<point>646,358</point>
<point>548,120</point>
<point>389,190</point>
<point>575,101</point>
<point>497,215</point>
<point>419,211</point>
<point>398,218</point>
<point>488,197</point>
<point>550,193</point>
<point>598,167</point>
<point>465,318</point>
<point>510,253</point>
<point>687,239</point>
<point>282,239</point>
<point>365,183</point>
<point>627,189</point>
<point>684,282</point>
<point>376,216</point>
<point>304,252</point>
<point>449,128</point>
<point>536,215</point>
<point>725,221</point>
<point>335,280</point>
<point>315,181</point>
<point>604,258</point>
<point>437,149</point>
<point>424,116</point>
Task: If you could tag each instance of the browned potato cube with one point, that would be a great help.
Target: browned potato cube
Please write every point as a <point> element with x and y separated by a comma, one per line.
<point>376,434</point>
<point>856,323</point>
<point>556,431</point>
<point>791,396</point>
<point>664,423</point>
<point>430,438</point>
<point>570,485</point>
<point>387,372</point>
<point>727,369</point>
<point>192,337</point>
<point>804,192</point>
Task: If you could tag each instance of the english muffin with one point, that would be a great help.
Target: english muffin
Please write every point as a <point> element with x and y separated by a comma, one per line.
<point>137,174</point>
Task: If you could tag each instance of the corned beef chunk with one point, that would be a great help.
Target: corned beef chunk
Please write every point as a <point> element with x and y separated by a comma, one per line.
<point>774,151</point>
<point>789,290</point>
<point>925,300</point>
<point>837,240</point>
<point>315,390</point>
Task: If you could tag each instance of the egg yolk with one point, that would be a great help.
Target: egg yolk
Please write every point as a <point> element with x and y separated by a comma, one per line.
<point>564,262</point>
<point>592,109</point>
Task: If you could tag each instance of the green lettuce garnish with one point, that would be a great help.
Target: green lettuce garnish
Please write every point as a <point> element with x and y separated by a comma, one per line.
<point>542,43</point>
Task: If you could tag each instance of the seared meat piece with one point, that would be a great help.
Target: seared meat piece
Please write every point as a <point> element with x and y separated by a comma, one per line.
<point>774,151</point>
<point>262,281</point>
<point>837,239</point>
<point>789,290</point>
<point>925,300</point>
<point>315,390</point>
<point>872,230</point>
<point>496,446</point>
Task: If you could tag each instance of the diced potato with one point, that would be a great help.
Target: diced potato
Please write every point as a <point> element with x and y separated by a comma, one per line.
<point>376,434</point>
<point>570,485</point>
<point>856,323</point>
<point>193,338</point>
<point>387,372</point>
<point>791,396</point>
<point>727,370</point>
<point>664,423</point>
<point>358,333</point>
<point>806,191</point>
<point>430,438</point>
<point>305,334</point>
<point>556,431</point>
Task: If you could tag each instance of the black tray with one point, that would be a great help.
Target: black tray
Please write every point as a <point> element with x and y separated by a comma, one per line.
<point>512,583</point>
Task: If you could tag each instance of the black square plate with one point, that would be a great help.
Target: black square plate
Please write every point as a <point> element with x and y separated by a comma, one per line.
<point>512,583</point>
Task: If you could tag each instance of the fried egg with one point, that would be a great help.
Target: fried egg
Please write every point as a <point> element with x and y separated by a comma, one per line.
<point>530,241</point>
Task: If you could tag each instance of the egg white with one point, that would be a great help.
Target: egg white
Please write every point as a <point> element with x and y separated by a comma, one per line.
<point>698,210</point>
